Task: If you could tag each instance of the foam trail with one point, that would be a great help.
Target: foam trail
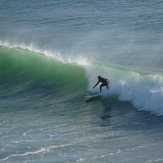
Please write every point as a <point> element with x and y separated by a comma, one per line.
<point>43,149</point>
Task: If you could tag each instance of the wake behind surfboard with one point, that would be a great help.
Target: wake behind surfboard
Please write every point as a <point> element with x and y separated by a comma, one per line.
<point>92,98</point>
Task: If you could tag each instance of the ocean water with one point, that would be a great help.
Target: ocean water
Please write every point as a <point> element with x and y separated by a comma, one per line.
<point>51,53</point>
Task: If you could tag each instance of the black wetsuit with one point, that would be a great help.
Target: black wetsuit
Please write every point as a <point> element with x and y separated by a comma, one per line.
<point>104,83</point>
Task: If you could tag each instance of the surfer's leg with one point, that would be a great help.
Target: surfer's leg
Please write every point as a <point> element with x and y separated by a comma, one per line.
<point>107,86</point>
<point>101,87</point>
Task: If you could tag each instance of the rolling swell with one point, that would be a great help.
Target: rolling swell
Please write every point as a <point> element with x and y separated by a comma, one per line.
<point>23,72</point>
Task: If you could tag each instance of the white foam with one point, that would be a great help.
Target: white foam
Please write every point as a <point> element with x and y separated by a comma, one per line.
<point>55,55</point>
<point>42,150</point>
<point>145,92</point>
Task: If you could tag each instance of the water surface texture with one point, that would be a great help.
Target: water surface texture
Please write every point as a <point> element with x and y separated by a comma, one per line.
<point>51,53</point>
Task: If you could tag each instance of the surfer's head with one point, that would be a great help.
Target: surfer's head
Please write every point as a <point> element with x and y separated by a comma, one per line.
<point>99,77</point>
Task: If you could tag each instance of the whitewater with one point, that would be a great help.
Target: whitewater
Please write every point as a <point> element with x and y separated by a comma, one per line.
<point>50,56</point>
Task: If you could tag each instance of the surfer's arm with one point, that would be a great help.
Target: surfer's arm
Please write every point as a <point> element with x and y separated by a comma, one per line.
<point>96,84</point>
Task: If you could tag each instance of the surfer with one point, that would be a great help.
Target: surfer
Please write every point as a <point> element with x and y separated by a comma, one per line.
<point>103,81</point>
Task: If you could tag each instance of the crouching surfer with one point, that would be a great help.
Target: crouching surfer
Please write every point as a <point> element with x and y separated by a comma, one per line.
<point>104,82</point>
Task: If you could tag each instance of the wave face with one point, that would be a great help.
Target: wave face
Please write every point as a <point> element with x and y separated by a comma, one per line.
<point>26,73</point>
<point>23,71</point>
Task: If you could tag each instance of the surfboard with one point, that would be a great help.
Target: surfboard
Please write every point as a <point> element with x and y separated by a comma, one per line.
<point>92,98</point>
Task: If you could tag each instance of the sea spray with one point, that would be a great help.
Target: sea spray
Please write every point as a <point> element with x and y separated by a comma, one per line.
<point>143,89</point>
